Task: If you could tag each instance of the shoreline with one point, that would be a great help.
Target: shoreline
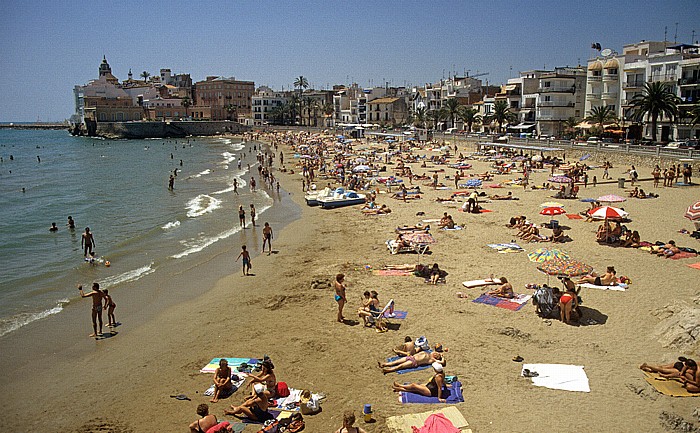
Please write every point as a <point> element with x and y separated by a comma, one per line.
<point>277,313</point>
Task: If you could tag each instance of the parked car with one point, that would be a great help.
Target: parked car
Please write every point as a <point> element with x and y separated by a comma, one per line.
<point>691,144</point>
<point>451,131</point>
<point>593,141</point>
<point>674,145</point>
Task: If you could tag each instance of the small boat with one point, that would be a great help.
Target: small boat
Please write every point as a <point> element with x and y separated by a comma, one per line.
<point>346,198</point>
<point>312,197</point>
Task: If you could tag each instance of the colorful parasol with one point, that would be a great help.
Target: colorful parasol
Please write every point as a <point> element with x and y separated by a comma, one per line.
<point>560,179</point>
<point>612,198</point>
<point>607,212</point>
<point>552,211</point>
<point>420,238</point>
<point>543,254</point>
<point>360,168</point>
<point>472,183</point>
<point>564,267</point>
<point>551,204</point>
<point>693,212</point>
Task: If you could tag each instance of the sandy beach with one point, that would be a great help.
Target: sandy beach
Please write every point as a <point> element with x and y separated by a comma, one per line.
<point>124,383</point>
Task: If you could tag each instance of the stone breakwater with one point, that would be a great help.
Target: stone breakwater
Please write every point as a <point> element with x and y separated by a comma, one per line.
<point>139,130</point>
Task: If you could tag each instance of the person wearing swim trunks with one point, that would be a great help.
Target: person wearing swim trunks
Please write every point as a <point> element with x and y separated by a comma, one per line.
<point>246,260</point>
<point>97,296</point>
<point>87,242</point>
<point>241,216</point>
<point>340,295</point>
<point>206,421</point>
<point>252,214</point>
<point>267,237</point>
<point>412,361</point>
<point>607,279</point>
<point>431,389</point>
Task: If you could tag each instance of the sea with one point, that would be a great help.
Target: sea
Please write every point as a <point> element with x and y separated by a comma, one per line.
<point>119,189</point>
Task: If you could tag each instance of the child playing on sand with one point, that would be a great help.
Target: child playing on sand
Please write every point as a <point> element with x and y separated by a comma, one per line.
<point>246,260</point>
<point>109,306</point>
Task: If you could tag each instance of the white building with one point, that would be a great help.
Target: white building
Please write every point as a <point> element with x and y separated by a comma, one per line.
<point>264,102</point>
<point>561,95</point>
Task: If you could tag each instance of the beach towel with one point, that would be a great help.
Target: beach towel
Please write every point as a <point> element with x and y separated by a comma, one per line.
<point>455,228</point>
<point>683,255</point>
<point>621,287</point>
<point>432,220</point>
<point>236,385</point>
<point>479,283</point>
<point>668,386</point>
<point>392,272</point>
<point>397,314</point>
<point>275,415</point>
<point>513,304</point>
<point>559,376</point>
<point>403,423</point>
<point>452,394</point>
<point>437,423</point>
<point>234,363</point>
<point>485,210</point>
<point>695,265</point>
<point>408,370</point>
<point>506,248</point>
<point>574,216</point>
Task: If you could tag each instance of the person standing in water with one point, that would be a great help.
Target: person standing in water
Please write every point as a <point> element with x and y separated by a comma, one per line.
<point>267,237</point>
<point>252,214</point>
<point>87,242</point>
<point>71,223</point>
<point>246,260</point>
<point>53,228</point>
<point>97,295</point>
<point>171,183</point>
<point>241,215</point>
<point>235,186</point>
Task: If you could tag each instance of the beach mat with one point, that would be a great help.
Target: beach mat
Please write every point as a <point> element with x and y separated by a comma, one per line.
<point>619,287</point>
<point>397,314</point>
<point>695,265</point>
<point>480,283</point>
<point>408,370</point>
<point>573,216</point>
<point>683,255</point>
<point>404,423</point>
<point>392,272</point>
<point>669,387</point>
<point>452,394</point>
<point>506,248</point>
<point>234,363</point>
<point>559,376</point>
<point>508,304</point>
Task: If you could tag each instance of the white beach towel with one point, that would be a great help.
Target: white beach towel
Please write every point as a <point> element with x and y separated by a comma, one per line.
<point>479,283</point>
<point>621,287</point>
<point>519,299</point>
<point>559,376</point>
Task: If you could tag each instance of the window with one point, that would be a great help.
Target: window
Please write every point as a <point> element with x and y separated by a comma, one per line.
<point>547,84</point>
<point>612,71</point>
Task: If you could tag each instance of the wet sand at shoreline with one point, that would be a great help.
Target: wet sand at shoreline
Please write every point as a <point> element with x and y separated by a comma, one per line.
<point>125,383</point>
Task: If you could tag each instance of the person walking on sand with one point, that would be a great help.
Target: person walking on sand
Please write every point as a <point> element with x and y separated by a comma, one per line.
<point>252,184</point>
<point>241,215</point>
<point>340,295</point>
<point>246,260</point>
<point>87,242</point>
<point>252,214</point>
<point>267,237</point>
<point>97,295</point>
<point>109,306</point>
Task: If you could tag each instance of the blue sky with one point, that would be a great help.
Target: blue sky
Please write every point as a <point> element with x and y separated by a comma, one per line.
<point>48,47</point>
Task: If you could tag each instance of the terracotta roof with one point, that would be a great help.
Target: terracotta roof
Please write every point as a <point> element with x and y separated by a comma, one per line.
<point>383,101</point>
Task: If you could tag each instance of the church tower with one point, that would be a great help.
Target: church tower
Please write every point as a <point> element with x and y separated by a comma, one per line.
<point>106,71</point>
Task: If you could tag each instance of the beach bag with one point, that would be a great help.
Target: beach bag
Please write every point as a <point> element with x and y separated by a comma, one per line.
<point>282,389</point>
<point>296,424</point>
<point>308,404</point>
<point>546,304</point>
<point>270,427</point>
<point>220,427</point>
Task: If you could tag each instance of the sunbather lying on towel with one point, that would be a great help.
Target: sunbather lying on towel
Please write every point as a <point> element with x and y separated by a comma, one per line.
<point>431,389</point>
<point>412,361</point>
<point>503,197</point>
<point>383,209</point>
<point>669,371</point>
<point>408,348</point>
<point>505,290</point>
<point>607,279</point>
<point>255,408</point>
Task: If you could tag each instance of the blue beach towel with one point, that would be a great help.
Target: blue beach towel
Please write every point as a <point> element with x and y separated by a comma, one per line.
<point>408,370</point>
<point>452,395</point>
<point>234,363</point>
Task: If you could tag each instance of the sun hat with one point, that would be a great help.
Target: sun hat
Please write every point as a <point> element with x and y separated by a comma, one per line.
<point>437,367</point>
<point>259,388</point>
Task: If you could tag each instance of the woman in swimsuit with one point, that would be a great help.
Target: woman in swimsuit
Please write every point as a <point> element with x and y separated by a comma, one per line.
<point>607,279</point>
<point>222,381</point>
<point>340,295</point>
<point>567,302</point>
<point>365,311</point>
<point>690,376</point>
<point>348,421</point>
<point>668,371</point>
<point>255,408</point>
<point>432,389</point>
<point>412,361</point>
<point>267,377</point>
<point>206,421</point>
<point>503,291</point>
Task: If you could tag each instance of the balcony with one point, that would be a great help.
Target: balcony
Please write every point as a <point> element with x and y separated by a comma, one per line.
<point>553,89</point>
<point>626,102</point>
<point>594,78</point>
<point>611,77</point>
<point>633,84</point>
<point>610,95</point>
<point>556,104</point>
<point>689,81</point>
<point>593,95</point>
<point>548,117</point>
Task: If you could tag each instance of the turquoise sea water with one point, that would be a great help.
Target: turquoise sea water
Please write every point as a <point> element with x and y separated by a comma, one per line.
<point>118,188</point>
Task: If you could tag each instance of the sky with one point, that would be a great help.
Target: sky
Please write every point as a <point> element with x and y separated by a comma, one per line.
<point>48,47</point>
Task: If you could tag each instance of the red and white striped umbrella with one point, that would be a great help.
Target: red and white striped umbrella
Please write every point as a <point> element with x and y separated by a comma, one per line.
<point>693,212</point>
<point>552,211</point>
<point>607,212</point>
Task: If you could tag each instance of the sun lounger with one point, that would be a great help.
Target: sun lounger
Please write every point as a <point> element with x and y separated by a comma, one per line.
<point>395,248</point>
<point>386,312</point>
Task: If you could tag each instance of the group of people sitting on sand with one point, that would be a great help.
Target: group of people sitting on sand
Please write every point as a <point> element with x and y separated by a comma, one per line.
<point>446,222</point>
<point>528,231</point>
<point>370,310</point>
<point>684,370</point>
<point>639,193</point>
<point>617,235</point>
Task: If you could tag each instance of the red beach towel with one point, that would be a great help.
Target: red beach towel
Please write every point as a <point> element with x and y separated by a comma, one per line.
<point>436,423</point>
<point>682,255</point>
<point>695,265</point>
<point>573,216</point>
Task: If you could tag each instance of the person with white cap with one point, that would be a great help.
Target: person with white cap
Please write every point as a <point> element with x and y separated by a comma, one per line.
<point>255,408</point>
<point>432,389</point>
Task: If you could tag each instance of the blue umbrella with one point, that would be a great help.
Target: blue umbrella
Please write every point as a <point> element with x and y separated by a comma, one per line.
<point>588,200</point>
<point>474,182</point>
<point>340,136</point>
<point>585,157</point>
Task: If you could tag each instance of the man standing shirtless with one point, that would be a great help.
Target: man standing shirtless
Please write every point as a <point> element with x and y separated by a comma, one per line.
<point>97,296</point>
<point>267,237</point>
<point>87,242</point>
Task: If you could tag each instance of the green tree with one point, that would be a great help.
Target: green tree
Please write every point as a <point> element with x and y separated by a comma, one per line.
<point>419,116</point>
<point>231,110</point>
<point>278,114</point>
<point>302,83</point>
<point>452,108</point>
<point>328,109</point>
<point>435,116</point>
<point>145,76</point>
<point>469,116</point>
<point>655,100</point>
<point>602,115</point>
<point>294,108</point>
<point>186,102</point>
<point>501,114</point>
<point>570,126</point>
<point>695,114</point>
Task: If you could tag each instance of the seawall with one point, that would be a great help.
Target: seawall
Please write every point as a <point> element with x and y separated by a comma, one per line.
<point>178,129</point>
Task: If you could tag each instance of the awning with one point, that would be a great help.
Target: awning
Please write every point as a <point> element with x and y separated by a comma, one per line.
<point>511,87</point>
<point>522,126</point>
<point>583,125</point>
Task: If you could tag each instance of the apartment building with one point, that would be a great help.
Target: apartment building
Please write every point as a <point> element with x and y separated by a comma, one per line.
<point>226,98</point>
<point>388,111</point>
<point>560,95</point>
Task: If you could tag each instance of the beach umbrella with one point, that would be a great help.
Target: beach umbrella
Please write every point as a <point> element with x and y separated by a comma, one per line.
<point>560,179</point>
<point>693,212</point>
<point>359,168</point>
<point>543,254</point>
<point>551,204</point>
<point>360,160</point>
<point>473,183</point>
<point>585,157</point>
<point>537,158</point>
<point>420,238</point>
<point>611,198</point>
<point>607,212</point>
<point>552,211</point>
<point>588,200</point>
<point>564,267</point>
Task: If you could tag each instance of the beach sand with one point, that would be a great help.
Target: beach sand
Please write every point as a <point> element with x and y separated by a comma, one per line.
<point>124,383</point>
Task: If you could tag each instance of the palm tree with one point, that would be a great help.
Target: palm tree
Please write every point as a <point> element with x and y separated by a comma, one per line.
<point>308,102</point>
<point>501,114</point>
<point>695,114</point>
<point>277,113</point>
<point>301,82</point>
<point>570,126</point>
<point>315,107</point>
<point>655,100</point>
<point>419,116</point>
<point>186,102</point>
<point>294,107</point>
<point>451,108</point>
<point>435,116</point>
<point>328,109</point>
<point>230,109</point>
<point>469,116</point>
<point>145,76</point>
<point>602,115</point>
